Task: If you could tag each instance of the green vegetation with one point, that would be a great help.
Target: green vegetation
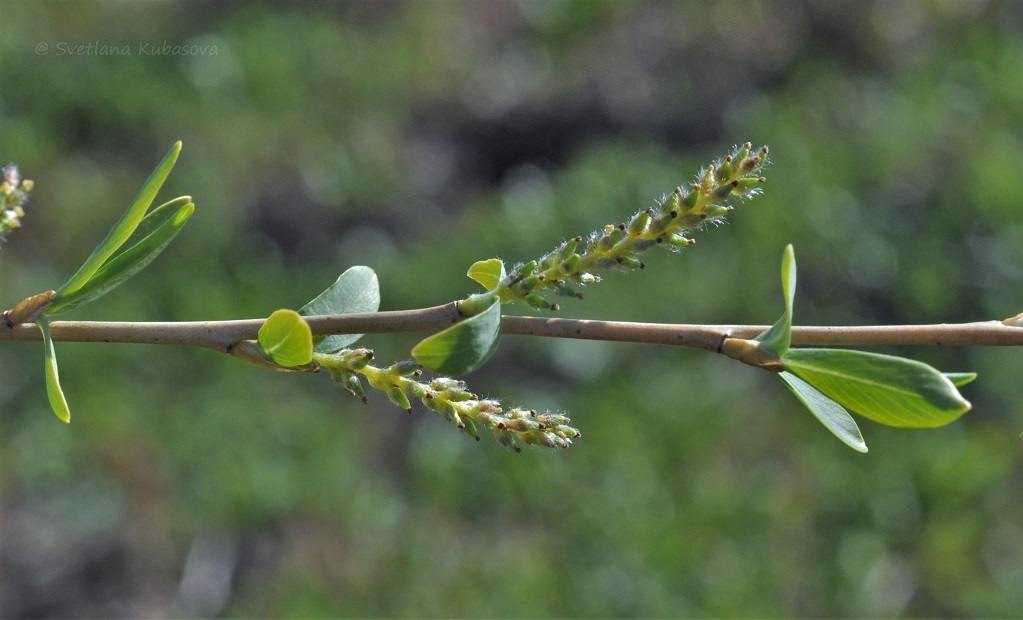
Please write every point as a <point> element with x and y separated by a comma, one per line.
<point>417,138</point>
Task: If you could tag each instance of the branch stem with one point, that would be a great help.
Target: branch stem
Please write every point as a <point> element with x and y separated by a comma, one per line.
<point>221,335</point>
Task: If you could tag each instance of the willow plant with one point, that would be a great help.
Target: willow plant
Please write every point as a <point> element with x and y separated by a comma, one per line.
<point>464,334</point>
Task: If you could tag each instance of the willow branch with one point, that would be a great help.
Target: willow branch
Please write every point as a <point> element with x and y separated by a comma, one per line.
<point>223,335</point>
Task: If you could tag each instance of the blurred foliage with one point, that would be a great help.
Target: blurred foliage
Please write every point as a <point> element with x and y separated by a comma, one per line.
<point>417,137</point>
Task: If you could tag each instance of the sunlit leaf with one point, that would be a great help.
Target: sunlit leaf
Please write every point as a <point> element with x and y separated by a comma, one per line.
<point>53,392</point>
<point>488,272</point>
<point>463,347</point>
<point>890,390</point>
<point>355,291</point>
<point>124,227</point>
<point>779,337</point>
<point>286,339</point>
<point>833,416</point>
<point>165,224</point>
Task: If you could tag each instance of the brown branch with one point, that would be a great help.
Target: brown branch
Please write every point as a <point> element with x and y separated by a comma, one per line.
<point>221,335</point>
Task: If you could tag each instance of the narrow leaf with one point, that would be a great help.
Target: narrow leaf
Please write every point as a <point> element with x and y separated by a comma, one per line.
<point>959,379</point>
<point>124,227</point>
<point>890,390</point>
<point>153,220</point>
<point>488,272</point>
<point>356,290</point>
<point>53,392</point>
<point>286,339</point>
<point>463,347</point>
<point>779,337</point>
<point>833,416</point>
<point>127,262</point>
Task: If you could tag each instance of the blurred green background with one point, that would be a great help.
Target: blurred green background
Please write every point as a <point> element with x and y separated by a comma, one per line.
<point>417,137</point>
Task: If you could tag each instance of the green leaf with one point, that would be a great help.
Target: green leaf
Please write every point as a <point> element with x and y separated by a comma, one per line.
<point>779,337</point>
<point>356,290</point>
<point>124,227</point>
<point>959,379</point>
<point>463,347</point>
<point>161,226</point>
<point>489,272</point>
<point>833,416</point>
<point>890,390</point>
<point>56,396</point>
<point>286,339</point>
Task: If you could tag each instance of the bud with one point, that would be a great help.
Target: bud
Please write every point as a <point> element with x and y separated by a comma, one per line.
<point>628,262</point>
<point>406,368</point>
<point>676,240</point>
<point>748,186</point>
<point>568,266</point>
<point>672,203</point>
<point>722,191</point>
<point>743,152</point>
<point>564,290</point>
<point>642,245</point>
<point>725,170</point>
<point>713,211</point>
<point>538,302</point>
<point>445,383</point>
<point>526,268</point>
<point>349,381</point>
<point>691,200</point>
<point>547,261</point>
<point>361,359</point>
<point>750,164</point>
<point>568,248</point>
<point>470,427</point>
<point>399,398</point>
<point>639,223</point>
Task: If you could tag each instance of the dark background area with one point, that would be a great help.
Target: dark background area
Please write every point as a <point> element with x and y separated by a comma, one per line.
<point>419,137</point>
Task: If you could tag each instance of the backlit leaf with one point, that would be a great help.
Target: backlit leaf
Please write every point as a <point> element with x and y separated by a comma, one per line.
<point>286,339</point>
<point>463,347</point>
<point>890,390</point>
<point>833,416</point>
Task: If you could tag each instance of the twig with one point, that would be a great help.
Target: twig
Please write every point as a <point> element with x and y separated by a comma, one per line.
<point>221,335</point>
